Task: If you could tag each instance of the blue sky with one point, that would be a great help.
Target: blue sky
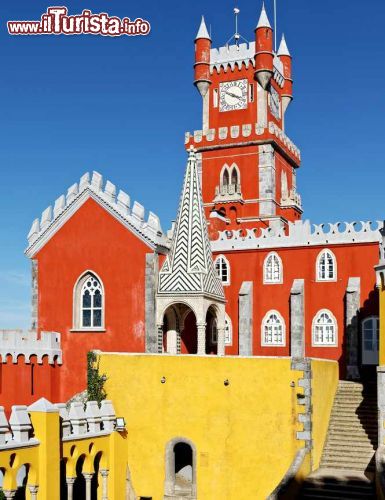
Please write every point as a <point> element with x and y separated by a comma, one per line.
<point>121,106</point>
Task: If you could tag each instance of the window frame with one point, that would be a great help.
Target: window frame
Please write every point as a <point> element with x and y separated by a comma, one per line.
<point>223,257</point>
<point>314,324</point>
<point>229,323</point>
<point>77,304</point>
<point>322,253</point>
<point>273,312</point>
<point>280,264</point>
<point>371,318</point>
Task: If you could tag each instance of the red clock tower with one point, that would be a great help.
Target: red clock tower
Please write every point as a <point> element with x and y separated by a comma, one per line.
<point>248,164</point>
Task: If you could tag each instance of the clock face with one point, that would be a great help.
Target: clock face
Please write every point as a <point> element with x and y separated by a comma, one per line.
<point>275,103</point>
<point>233,95</point>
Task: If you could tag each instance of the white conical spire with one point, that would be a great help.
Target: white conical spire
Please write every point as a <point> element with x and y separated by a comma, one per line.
<point>189,268</point>
<point>202,32</point>
<point>263,19</point>
<point>283,50</point>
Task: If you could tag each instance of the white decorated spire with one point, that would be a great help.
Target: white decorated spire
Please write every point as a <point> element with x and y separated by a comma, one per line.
<point>189,267</point>
<point>263,19</point>
<point>283,50</point>
<point>203,32</point>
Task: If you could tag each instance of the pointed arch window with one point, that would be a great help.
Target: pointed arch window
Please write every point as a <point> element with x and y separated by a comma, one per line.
<point>324,329</point>
<point>273,269</point>
<point>222,268</point>
<point>230,181</point>
<point>273,330</point>
<point>326,267</point>
<point>89,303</point>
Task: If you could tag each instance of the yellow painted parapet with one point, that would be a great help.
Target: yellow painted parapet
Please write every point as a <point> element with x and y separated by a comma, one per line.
<point>47,448</point>
<point>243,420</point>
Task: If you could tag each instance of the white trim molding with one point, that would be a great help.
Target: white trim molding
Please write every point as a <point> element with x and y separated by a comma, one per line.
<point>327,324</point>
<point>224,266</point>
<point>275,261</point>
<point>323,271</point>
<point>274,343</point>
<point>77,305</point>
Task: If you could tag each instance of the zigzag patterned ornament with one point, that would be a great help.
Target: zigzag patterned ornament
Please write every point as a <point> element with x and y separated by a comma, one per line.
<point>189,267</point>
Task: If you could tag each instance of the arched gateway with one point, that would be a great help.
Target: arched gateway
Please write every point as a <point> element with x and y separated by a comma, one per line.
<point>190,304</point>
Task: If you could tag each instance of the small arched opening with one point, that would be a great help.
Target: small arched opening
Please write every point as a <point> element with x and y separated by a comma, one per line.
<point>180,470</point>
<point>180,330</point>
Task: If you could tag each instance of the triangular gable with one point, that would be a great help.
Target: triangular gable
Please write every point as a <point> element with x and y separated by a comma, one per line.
<point>52,219</point>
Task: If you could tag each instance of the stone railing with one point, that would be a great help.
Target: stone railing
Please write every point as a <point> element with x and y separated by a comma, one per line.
<point>118,203</point>
<point>293,199</point>
<point>299,233</point>
<point>228,192</point>
<point>77,422</point>
<point>18,342</point>
<point>245,131</point>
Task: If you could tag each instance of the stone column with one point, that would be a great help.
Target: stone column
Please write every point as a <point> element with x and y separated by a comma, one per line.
<point>104,474</point>
<point>70,487</point>
<point>160,339</point>
<point>246,319</point>
<point>267,180</point>
<point>150,291</point>
<point>221,342</point>
<point>351,321</point>
<point>88,478</point>
<point>201,330</point>
<point>297,320</point>
<point>33,490</point>
<point>9,494</point>
<point>172,342</point>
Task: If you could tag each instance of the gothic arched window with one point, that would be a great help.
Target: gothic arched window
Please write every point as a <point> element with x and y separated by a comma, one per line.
<point>222,268</point>
<point>324,330</point>
<point>273,269</point>
<point>326,266</point>
<point>89,303</point>
<point>273,330</point>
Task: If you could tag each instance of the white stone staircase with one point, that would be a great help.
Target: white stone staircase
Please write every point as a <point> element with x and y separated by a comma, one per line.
<point>347,465</point>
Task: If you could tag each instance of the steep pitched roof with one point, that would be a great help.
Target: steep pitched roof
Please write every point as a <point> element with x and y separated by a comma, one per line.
<point>65,206</point>
<point>263,19</point>
<point>189,268</point>
<point>203,32</point>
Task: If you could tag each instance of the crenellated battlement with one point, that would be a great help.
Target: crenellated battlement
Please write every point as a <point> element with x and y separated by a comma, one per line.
<point>76,422</point>
<point>249,132</point>
<point>234,56</point>
<point>116,202</point>
<point>299,234</point>
<point>16,343</point>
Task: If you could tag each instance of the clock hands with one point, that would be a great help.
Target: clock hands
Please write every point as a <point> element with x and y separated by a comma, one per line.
<point>233,95</point>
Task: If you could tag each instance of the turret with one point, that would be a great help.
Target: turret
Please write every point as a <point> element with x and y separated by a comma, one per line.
<point>202,59</point>
<point>264,58</point>
<point>287,91</point>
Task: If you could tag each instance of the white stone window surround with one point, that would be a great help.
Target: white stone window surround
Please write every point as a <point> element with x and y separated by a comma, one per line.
<point>326,266</point>
<point>324,325</point>
<point>77,306</point>
<point>273,326</point>
<point>222,267</point>
<point>272,269</point>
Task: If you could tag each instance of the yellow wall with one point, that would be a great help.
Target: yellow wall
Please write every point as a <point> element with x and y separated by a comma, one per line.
<point>324,387</point>
<point>244,433</point>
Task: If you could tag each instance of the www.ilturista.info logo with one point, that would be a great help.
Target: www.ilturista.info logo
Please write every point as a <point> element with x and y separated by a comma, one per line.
<point>56,21</point>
